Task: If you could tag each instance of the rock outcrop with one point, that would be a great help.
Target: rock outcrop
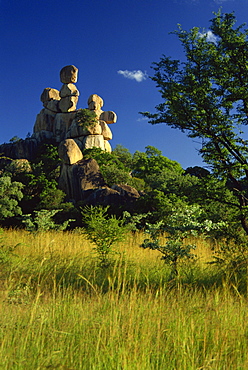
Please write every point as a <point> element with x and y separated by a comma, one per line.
<point>69,151</point>
<point>21,149</point>
<point>115,196</point>
<point>58,119</point>
<point>59,122</point>
<point>78,180</point>
<point>83,181</point>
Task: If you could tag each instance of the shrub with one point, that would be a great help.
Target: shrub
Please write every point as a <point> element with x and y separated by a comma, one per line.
<point>86,118</point>
<point>103,230</point>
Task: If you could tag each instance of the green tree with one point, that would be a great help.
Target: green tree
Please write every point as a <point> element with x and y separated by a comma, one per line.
<point>206,96</point>
<point>86,118</point>
<point>51,199</point>
<point>152,162</point>
<point>103,231</point>
<point>41,181</point>
<point>10,195</point>
<point>43,221</point>
<point>112,165</point>
<point>185,221</point>
<point>123,155</point>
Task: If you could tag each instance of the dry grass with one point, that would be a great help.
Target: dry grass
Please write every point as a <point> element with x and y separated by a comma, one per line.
<point>59,310</point>
<point>73,243</point>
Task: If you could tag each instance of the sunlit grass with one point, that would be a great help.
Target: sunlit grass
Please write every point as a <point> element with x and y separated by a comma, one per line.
<point>60,310</point>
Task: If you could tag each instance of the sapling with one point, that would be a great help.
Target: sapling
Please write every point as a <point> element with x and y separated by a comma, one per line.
<point>43,221</point>
<point>184,222</point>
<point>103,231</point>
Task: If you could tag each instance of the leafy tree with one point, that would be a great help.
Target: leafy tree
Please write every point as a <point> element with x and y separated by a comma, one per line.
<point>206,96</point>
<point>40,183</point>
<point>123,155</point>
<point>185,221</point>
<point>47,162</point>
<point>43,221</point>
<point>103,230</point>
<point>10,195</point>
<point>152,162</point>
<point>114,170</point>
<point>51,199</point>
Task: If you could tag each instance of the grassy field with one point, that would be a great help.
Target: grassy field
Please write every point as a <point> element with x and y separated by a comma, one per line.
<point>60,310</point>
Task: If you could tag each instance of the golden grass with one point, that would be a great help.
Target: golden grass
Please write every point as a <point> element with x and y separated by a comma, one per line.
<point>59,310</point>
<point>73,243</point>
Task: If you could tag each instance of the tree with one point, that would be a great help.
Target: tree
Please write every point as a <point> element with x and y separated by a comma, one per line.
<point>40,180</point>
<point>43,220</point>
<point>152,163</point>
<point>103,231</point>
<point>206,96</point>
<point>115,166</point>
<point>123,155</point>
<point>10,195</point>
<point>185,221</point>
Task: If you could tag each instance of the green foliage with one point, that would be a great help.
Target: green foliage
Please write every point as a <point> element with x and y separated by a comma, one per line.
<point>47,163</point>
<point>103,230</point>
<point>43,221</point>
<point>184,222</point>
<point>10,195</point>
<point>86,118</point>
<point>41,186</point>
<point>139,170</point>
<point>217,201</point>
<point>152,162</point>
<point>135,221</point>
<point>51,198</point>
<point>115,175</point>
<point>123,155</point>
<point>40,183</point>
<point>206,96</point>
<point>112,168</point>
<point>162,183</point>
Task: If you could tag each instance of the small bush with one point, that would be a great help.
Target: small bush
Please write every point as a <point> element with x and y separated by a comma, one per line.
<point>86,118</point>
<point>103,230</point>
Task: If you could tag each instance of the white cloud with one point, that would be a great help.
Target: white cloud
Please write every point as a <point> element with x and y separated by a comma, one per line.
<point>210,37</point>
<point>138,75</point>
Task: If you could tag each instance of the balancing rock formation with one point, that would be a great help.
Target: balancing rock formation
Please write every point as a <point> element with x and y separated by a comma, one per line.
<point>58,119</point>
<point>58,122</point>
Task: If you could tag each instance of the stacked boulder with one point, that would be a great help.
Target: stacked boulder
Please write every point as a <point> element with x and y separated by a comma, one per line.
<point>68,93</point>
<point>82,180</point>
<point>59,107</point>
<point>58,119</point>
<point>97,135</point>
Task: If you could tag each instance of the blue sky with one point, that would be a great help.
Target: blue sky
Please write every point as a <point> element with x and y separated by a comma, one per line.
<point>113,44</point>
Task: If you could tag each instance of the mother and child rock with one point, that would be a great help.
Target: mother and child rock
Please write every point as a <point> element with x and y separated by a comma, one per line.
<point>59,120</point>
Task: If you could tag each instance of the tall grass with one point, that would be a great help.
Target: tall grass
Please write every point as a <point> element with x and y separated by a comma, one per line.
<point>59,310</point>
